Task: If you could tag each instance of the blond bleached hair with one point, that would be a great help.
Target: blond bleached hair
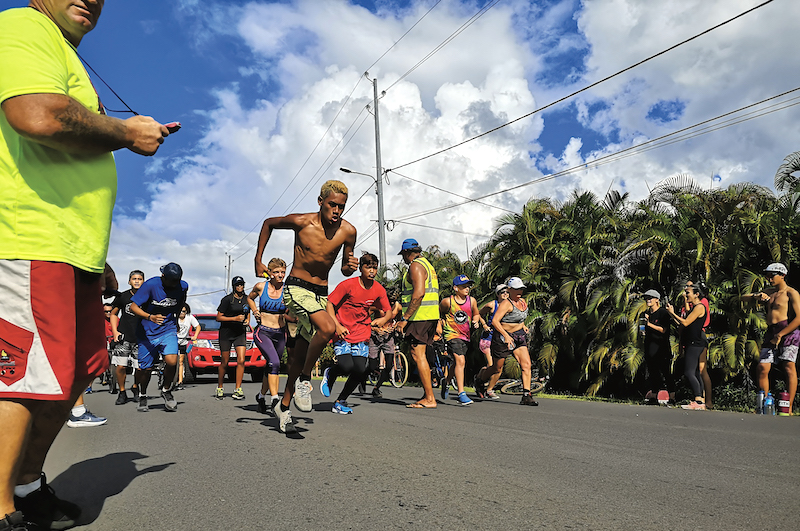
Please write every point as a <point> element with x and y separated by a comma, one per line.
<point>332,187</point>
<point>276,262</point>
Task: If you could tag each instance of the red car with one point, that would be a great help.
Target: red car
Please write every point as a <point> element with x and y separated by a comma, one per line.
<point>204,358</point>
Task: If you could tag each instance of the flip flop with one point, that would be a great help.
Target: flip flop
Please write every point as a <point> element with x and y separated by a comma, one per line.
<point>418,405</point>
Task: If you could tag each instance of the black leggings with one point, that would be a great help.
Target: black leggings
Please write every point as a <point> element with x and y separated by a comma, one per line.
<point>387,369</point>
<point>354,366</point>
<point>691,369</point>
<point>658,357</point>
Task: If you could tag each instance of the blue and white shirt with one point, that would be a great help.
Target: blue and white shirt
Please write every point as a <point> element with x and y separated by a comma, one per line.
<point>154,299</point>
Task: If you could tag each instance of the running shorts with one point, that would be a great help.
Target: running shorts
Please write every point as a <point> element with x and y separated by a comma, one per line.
<point>124,354</point>
<point>151,349</point>
<point>786,351</point>
<point>303,298</point>
<point>226,341</point>
<point>420,332</point>
<point>357,350</point>
<point>500,347</point>
<point>457,347</point>
<point>52,329</point>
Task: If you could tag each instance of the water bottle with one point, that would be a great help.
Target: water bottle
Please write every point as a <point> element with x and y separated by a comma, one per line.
<point>642,324</point>
<point>769,405</point>
<point>760,403</point>
<point>784,408</point>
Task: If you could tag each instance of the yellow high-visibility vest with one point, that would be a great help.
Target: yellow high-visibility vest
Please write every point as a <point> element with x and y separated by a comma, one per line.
<point>429,309</point>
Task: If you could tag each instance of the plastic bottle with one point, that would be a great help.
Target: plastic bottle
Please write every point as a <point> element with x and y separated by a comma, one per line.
<point>784,409</point>
<point>769,405</point>
<point>760,403</point>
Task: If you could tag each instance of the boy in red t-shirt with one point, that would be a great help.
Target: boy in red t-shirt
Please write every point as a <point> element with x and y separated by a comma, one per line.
<point>349,305</point>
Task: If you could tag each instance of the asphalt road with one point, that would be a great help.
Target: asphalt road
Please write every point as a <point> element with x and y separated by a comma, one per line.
<point>492,465</point>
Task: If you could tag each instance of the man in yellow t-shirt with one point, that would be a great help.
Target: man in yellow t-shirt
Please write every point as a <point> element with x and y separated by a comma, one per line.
<point>58,184</point>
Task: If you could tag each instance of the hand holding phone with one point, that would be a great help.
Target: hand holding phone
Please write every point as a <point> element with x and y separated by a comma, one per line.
<point>173,127</point>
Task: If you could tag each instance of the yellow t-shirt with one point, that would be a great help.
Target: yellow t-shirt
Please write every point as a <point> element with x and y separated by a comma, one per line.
<point>54,206</point>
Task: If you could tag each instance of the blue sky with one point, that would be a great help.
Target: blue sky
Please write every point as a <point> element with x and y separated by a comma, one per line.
<point>256,84</point>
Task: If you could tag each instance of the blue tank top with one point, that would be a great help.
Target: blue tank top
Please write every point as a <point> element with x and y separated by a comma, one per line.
<point>269,305</point>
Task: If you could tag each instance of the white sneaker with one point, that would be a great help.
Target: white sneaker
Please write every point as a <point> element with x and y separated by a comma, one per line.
<point>302,395</point>
<point>286,423</point>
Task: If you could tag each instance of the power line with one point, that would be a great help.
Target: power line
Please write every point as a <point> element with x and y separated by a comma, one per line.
<point>587,87</point>
<point>449,192</point>
<point>482,11</point>
<point>635,150</point>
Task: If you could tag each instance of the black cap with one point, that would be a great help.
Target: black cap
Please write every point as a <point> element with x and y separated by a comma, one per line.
<point>172,271</point>
<point>236,281</point>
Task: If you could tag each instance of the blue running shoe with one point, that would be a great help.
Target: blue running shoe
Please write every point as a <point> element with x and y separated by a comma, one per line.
<point>86,420</point>
<point>341,408</point>
<point>324,387</point>
<point>463,399</point>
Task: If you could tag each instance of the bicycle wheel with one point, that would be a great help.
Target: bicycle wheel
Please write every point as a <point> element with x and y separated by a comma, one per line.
<point>536,387</point>
<point>512,388</point>
<point>400,371</point>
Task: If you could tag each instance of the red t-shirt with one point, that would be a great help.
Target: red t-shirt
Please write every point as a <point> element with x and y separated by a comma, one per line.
<point>352,303</point>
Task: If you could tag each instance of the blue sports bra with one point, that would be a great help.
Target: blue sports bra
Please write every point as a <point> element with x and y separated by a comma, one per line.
<point>269,305</point>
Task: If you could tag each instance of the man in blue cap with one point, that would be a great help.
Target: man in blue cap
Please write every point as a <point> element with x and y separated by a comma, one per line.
<point>158,302</point>
<point>420,301</point>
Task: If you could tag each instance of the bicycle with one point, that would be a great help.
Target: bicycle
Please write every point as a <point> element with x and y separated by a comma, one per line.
<point>398,375</point>
<point>513,386</point>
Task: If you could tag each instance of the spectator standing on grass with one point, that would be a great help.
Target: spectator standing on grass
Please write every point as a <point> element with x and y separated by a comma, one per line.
<point>58,183</point>
<point>693,342</point>
<point>782,338</point>
<point>657,349</point>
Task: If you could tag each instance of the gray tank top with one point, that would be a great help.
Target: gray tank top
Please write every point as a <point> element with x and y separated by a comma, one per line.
<point>515,315</point>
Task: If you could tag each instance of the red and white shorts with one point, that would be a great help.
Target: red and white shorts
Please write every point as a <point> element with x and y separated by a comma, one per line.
<point>52,329</point>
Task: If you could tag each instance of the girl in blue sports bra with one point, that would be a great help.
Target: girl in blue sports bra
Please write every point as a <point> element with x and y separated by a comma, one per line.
<point>271,333</point>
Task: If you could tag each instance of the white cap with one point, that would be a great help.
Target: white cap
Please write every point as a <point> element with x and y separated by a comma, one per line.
<point>500,287</point>
<point>651,293</point>
<point>515,283</point>
<point>777,267</point>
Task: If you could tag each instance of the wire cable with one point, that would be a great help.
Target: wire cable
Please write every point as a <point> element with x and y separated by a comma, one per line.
<point>482,11</point>
<point>649,144</point>
<point>588,86</point>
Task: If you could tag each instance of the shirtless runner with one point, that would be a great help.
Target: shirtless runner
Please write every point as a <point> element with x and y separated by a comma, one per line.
<point>318,237</point>
<point>782,338</point>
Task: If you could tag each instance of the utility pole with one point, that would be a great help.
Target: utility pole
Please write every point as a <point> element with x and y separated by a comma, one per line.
<point>228,273</point>
<point>379,179</point>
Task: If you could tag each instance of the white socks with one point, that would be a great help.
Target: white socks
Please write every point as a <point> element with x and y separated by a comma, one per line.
<point>78,411</point>
<point>24,490</point>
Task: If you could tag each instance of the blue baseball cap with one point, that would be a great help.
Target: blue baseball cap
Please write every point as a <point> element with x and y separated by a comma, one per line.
<point>410,244</point>
<point>461,280</point>
<point>172,271</point>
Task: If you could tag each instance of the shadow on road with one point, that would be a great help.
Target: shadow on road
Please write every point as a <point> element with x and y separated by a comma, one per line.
<point>94,480</point>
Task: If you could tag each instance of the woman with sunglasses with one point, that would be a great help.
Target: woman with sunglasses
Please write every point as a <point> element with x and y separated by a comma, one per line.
<point>510,337</point>
<point>233,313</point>
<point>487,312</point>
<point>703,363</point>
<point>694,342</point>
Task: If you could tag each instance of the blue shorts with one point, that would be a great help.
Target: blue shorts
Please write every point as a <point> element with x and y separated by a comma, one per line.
<point>150,349</point>
<point>357,350</point>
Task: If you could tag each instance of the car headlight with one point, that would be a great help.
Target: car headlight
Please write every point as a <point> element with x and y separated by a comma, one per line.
<point>202,343</point>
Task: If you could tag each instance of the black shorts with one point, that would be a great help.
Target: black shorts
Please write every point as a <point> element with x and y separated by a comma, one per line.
<point>499,347</point>
<point>226,342</point>
<point>458,347</point>
<point>420,332</point>
<point>182,348</point>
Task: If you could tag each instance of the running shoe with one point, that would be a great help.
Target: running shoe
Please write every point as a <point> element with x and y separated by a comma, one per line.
<point>663,398</point>
<point>122,398</point>
<point>135,391</point>
<point>480,388</point>
<point>324,387</point>
<point>697,406</point>
<point>376,393</point>
<point>527,400</point>
<point>302,395</point>
<point>285,422</point>
<point>445,391</point>
<point>273,406</point>
<point>491,395</point>
<point>43,508</point>
<point>179,387</point>
<point>463,399</point>
<point>142,405</point>
<point>238,394</point>
<point>262,404</point>
<point>89,390</point>
<point>13,522</point>
<point>362,389</point>
<point>341,408</point>
<point>220,394</point>
<point>86,420</point>
<point>169,402</point>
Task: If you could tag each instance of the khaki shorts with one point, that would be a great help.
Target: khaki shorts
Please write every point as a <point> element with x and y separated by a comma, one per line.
<point>304,299</point>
